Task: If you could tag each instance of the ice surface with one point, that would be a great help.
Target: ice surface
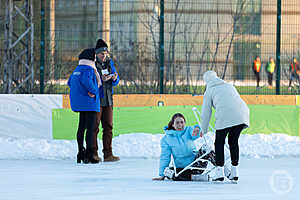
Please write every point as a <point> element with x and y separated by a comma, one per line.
<point>46,169</point>
<point>131,179</point>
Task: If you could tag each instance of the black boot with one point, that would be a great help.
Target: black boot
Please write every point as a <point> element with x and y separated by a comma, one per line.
<point>92,156</point>
<point>81,155</point>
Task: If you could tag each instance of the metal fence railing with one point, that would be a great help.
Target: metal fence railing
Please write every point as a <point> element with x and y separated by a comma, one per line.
<point>222,35</point>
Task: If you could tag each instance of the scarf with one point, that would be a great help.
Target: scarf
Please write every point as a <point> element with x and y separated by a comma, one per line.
<point>92,65</point>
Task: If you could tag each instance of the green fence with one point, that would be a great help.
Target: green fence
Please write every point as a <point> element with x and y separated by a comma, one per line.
<point>223,35</point>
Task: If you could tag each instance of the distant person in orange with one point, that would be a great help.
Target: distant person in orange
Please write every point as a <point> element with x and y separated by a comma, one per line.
<point>256,69</point>
<point>294,71</point>
<point>270,68</point>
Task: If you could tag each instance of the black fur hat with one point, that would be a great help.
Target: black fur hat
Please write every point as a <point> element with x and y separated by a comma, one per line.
<point>88,54</point>
<point>101,46</point>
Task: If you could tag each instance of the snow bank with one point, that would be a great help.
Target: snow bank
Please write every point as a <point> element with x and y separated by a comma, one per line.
<point>143,145</point>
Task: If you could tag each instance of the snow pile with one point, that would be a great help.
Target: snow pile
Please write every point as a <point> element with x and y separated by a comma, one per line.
<point>273,145</point>
<point>33,148</point>
<point>143,145</point>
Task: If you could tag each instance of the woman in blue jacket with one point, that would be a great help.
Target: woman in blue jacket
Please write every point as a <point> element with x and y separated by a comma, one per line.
<point>84,86</point>
<point>178,142</point>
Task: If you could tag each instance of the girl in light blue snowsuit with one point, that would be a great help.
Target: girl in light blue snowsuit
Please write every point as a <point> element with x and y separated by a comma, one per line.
<point>178,142</point>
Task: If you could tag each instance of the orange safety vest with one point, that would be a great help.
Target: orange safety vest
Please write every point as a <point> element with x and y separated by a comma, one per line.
<point>257,65</point>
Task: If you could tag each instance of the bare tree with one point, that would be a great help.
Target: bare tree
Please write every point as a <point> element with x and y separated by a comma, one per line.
<point>171,67</point>
<point>135,57</point>
<point>190,40</point>
<point>151,23</point>
<point>236,13</point>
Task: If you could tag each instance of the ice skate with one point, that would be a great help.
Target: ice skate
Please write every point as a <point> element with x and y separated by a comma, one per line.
<point>219,176</point>
<point>200,177</point>
<point>226,170</point>
<point>169,173</point>
<point>234,174</point>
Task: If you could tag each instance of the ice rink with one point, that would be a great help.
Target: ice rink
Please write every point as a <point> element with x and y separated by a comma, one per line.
<point>47,169</point>
<point>266,179</point>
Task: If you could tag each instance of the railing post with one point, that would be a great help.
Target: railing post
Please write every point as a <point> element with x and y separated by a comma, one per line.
<point>42,47</point>
<point>278,37</point>
<point>161,47</point>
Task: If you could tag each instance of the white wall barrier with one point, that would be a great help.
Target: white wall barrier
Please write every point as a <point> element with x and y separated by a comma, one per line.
<point>27,115</point>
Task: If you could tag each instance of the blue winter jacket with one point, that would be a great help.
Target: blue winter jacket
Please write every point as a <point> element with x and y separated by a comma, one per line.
<point>179,144</point>
<point>114,83</point>
<point>82,81</point>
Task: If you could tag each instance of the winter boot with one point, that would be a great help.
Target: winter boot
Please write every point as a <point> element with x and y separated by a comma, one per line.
<point>92,156</point>
<point>234,173</point>
<point>81,155</point>
<point>111,158</point>
<point>96,157</point>
<point>219,176</point>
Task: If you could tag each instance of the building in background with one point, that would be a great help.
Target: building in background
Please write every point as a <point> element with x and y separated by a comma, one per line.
<point>224,35</point>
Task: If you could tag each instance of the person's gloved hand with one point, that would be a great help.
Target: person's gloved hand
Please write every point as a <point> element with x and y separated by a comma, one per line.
<point>106,77</point>
<point>196,131</point>
<point>201,134</point>
<point>114,76</point>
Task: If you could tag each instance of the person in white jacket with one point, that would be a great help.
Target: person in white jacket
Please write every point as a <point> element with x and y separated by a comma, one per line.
<point>232,116</point>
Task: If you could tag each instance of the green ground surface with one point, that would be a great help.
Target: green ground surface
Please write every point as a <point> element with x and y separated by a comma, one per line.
<point>263,119</point>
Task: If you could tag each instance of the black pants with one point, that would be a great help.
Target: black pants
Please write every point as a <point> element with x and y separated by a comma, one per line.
<point>184,176</point>
<point>294,76</point>
<point>257,76</point>
<point>270,78</point>
<point>233,137</point>
<point>87,121</point>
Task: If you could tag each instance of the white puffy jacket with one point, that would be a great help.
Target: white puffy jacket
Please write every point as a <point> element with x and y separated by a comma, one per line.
<point>230,109</point>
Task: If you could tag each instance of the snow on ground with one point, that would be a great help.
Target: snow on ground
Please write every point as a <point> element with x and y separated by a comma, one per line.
<point>46,169</point>
<point>142,145</point>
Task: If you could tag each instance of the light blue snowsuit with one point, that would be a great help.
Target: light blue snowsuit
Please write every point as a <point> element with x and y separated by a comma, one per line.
<point>179,144</point>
